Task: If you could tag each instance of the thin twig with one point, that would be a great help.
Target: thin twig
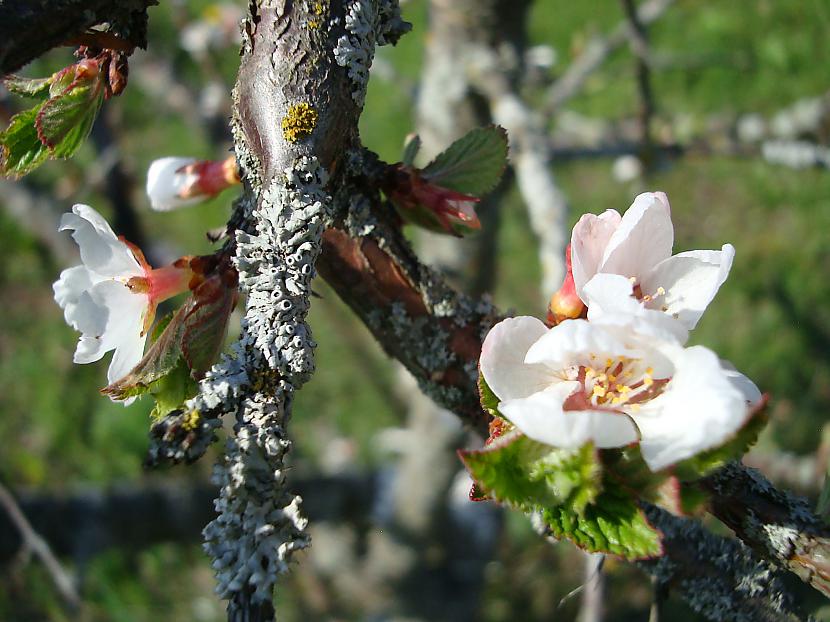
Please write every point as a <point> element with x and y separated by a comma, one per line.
<point>37,545</point>
<point>639,45</point>
<point>595,54</point>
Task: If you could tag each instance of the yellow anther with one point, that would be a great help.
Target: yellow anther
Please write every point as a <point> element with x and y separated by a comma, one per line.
<point>633,279</point>
<point>623,388</point>
<point>649,371</point>
<point>612,378</point>
<point>660,291</point>
<point>609,362</point>
<point>647,381</point>
<point>598,390</point>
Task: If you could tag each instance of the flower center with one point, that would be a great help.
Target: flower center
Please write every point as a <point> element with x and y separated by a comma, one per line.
<point>618,382</point>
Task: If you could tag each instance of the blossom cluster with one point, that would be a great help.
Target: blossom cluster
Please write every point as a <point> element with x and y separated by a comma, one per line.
<point>614,370</point>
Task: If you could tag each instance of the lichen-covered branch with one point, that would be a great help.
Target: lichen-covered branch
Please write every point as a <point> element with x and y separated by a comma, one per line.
<point>28,28</point>
<point>298,95</point>
<point>777,525</point>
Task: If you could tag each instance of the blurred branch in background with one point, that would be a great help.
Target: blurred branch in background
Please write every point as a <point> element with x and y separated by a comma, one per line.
<point>30,542</point>
<point>594,55</point>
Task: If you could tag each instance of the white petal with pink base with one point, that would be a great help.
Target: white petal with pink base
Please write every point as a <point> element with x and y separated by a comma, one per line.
<point>613,386</point>
<point>638,246</point>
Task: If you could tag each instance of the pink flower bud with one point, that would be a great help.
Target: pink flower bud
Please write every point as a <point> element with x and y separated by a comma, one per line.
<point>565,304</point>
<point>431,206</point>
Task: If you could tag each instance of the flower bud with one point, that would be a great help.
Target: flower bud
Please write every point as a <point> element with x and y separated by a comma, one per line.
<point>565,304</point>
<point>176,182</point>
<point>428,205</point>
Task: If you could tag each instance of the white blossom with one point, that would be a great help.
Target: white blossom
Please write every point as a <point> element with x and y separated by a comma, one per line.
<point>111,297</point>
<point>638,246</point>
<point>611,385</point>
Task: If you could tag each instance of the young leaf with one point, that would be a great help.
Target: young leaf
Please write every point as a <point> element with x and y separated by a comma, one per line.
<point>65,120</point>
<point>20,148</point>
<point>523,473</point>
<point>206,324</point>
<point>489,401</point>
<point>411,148</point>
<point>172,390</point>
<point>473,164</point>
<point>28,87</point>
<point>501,470</point>
<point>158,361</point>
<point>705,462</point>
<point>611,524</point>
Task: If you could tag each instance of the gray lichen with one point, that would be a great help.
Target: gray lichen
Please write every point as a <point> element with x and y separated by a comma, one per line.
<point>260,524</point>
<point>355,50</point>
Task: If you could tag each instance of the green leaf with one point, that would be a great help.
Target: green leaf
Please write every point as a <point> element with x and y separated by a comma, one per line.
<point>489,401</point>
<point>712,459</point>
<point>28,87</point>
<point>159,360</point>
<point>64,121</point>
<point>613,523</point>
<point>172,390</point>
<point>526,474</point>
<point>20,148</point>
<point>473,164</point>
<point>411,148</point>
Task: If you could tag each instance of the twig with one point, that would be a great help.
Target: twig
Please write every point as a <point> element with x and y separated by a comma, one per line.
<point>595,53</point>
<point>37,545</point>
<point>640,47</point>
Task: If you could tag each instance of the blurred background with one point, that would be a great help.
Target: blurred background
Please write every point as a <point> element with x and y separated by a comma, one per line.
<point>724,105</point>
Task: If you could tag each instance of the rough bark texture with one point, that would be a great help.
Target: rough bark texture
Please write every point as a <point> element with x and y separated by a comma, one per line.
<point>777,525</point>
<point>28,28</point>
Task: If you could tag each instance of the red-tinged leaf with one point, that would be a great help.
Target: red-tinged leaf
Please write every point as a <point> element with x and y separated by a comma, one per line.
<point>64,121</point>
<point>28,87</point>
<point>206,324</point>
<point>20,148</point>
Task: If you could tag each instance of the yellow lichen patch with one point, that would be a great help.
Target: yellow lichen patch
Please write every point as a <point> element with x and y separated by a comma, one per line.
<point>299,122</point>
<point>313,24</point>
<point>317,8</point>
<point>190,420</point>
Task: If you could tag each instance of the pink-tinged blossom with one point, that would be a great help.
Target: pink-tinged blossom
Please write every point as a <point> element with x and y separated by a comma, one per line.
<point>582,382</point>
<point>638,246</point>
<point>111,297</point>
<point>176,182</point>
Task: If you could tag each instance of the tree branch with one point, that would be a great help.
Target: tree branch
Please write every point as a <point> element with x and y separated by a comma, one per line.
<point>29,28</point>
<point>31,541</point>
<point>595,53</point>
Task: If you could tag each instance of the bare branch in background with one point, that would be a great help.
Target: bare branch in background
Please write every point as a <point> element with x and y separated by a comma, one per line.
<point>31,541</point>
<point>639,45</point>
<point>596,51</point>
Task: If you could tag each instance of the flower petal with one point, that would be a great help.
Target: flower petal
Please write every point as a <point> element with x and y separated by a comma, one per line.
<point>542,418</point>
<point>699,409</point>
<point>742,383</point>
<point>68,289</point>
<point>164,184</point>
<point>101,251</point>
<point>573,342</point>
<point>110,316</point>
<point>502,358</point>
<point>589,238</point>
<point>643,239</point>
<point>611,302</point>
<point>691,281</point>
